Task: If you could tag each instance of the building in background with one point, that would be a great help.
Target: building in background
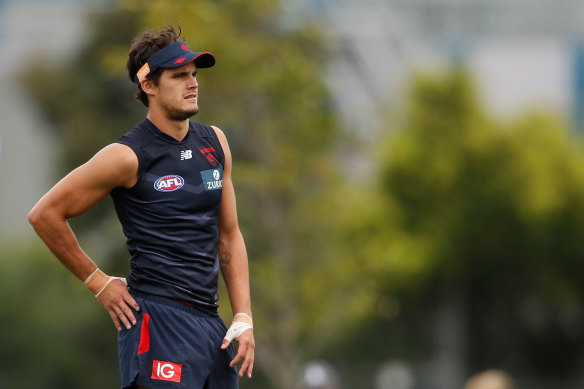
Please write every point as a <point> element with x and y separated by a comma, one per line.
<point>45,32</point>
<point>524,53</point>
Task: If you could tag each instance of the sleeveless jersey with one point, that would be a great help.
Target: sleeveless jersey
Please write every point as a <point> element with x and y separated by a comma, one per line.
<point>170,217</point>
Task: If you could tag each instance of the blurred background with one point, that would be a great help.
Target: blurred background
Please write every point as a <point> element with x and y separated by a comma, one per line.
<point>409,173</point>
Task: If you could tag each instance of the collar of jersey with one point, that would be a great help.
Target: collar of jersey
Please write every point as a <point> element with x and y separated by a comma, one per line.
<point>164,136</point>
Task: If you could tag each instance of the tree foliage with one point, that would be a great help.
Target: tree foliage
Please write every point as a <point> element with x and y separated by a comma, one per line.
<point>491,212</point>
<point>47,322</point>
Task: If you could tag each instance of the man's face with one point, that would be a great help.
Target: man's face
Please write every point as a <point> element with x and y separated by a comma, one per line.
<point>177,92</point>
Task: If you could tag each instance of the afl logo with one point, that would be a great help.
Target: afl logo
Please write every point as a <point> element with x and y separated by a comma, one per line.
<point>169,183</point>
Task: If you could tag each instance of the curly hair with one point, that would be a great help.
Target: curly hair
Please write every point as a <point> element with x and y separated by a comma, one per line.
<point>144,46</point>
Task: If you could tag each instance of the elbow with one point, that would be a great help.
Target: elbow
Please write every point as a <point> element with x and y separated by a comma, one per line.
<point>34,217</point>
<point>37,216</point>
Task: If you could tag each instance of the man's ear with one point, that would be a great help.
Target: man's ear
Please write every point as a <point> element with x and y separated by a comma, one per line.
<point>148,86</point>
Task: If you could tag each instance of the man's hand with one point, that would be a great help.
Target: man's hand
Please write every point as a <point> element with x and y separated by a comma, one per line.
<point>241,330</point>
<point>112,293</point>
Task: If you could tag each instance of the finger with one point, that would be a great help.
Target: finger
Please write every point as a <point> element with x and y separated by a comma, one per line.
<point>225,344</point>
<point>126,304</point>
<point>250,368</point>
<point>129,314</point>
<point>238,357</point>
<point>116,320</point>
<point>131,302</point>
<point>248,361</point>
<point>123,318</point>
<point>244,366</point>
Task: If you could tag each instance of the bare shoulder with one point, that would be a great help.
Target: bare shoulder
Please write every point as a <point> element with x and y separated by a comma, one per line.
<point>220,134</point>
<point>118,153</point>
<point>223,140</point>
<point>118,162</point>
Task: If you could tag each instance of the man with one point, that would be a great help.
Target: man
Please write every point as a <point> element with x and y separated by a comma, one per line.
<point>170,180</point>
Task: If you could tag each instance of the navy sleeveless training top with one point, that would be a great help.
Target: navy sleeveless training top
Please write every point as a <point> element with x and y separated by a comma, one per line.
<point>170,217</point>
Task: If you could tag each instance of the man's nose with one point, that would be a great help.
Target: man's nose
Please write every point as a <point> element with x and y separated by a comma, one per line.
<point>192,82</point>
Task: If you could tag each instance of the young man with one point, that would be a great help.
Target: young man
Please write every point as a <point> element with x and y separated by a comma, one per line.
<point>170,179</point>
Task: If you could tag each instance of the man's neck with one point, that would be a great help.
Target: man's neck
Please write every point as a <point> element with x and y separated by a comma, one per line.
<point>174,128</point>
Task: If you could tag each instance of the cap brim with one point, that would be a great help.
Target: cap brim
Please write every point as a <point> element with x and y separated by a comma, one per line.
<point>202,60</point>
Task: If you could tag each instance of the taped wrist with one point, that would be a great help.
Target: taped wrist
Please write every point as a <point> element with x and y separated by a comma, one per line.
<point>243,317</point>
<point>241,323</point>
<point>98,281</point>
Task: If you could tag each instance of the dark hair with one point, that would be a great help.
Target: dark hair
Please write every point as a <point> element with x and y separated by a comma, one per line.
<point>144,46</point>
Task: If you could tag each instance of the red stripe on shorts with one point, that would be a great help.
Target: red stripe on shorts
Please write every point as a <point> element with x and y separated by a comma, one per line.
<point>144,335</point>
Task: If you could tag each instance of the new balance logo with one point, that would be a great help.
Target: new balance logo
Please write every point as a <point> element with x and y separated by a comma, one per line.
<point>186,154</point>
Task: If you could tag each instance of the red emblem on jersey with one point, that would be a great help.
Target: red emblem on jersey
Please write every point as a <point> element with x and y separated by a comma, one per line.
<point>210,157</point>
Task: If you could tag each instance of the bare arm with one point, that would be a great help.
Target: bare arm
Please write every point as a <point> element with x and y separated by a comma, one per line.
<point>113,166</point>
<point>234,263</point>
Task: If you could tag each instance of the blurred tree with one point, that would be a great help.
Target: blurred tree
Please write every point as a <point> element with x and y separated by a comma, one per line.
<point>484,216</point>
<point>266,93</point>
<point>47,321</point>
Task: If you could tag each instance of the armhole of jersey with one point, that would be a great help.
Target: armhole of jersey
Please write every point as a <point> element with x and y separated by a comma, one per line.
<point>218,144</point>
<point>136,151</point>
<point>209,132</point>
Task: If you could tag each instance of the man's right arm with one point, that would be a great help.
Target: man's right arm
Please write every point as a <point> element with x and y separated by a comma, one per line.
<point>113,166</point>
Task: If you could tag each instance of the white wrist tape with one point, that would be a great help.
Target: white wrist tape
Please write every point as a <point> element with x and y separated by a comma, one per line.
<point>237,328</point>
<point>90,276</point>
<point>108,282</point>
<point>242,314</point>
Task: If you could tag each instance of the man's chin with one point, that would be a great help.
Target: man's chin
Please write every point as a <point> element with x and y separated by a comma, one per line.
<point>184,115</point>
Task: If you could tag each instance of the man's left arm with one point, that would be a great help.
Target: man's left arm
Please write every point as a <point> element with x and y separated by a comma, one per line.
<point>234,269</point>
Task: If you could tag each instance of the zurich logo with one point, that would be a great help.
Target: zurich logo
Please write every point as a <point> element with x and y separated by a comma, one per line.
<point>212,179</point>
<point>169,183</point>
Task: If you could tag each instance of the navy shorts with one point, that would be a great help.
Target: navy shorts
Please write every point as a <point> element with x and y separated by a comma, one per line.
<point>174,345</point>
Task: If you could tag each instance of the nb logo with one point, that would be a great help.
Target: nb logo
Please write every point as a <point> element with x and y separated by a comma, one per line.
<point>186,154</point>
